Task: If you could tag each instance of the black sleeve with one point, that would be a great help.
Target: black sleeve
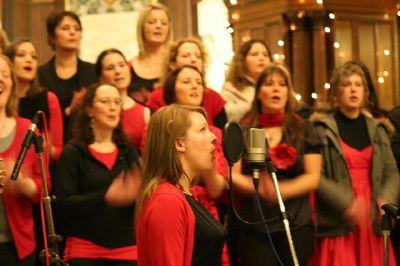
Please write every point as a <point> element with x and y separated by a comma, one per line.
<point>220,119</point>
<point>68,186</point>
<point>312,142</point>
<point>396,147</point>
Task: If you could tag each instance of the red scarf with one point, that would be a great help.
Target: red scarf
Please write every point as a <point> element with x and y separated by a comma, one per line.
<point>271,120</point>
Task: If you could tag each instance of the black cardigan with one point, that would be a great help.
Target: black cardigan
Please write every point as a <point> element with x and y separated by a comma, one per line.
<point>80,186</point>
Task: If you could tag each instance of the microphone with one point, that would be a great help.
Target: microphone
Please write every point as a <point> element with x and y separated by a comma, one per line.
<point>391,210</point>
<point>25,146</point>
<point>256,150</point>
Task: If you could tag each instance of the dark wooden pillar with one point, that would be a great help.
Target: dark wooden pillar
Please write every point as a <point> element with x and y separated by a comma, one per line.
<point>184,17</point>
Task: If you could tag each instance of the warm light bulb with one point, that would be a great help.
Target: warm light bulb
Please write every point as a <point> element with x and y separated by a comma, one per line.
<point>277,56</point>
<point>327,86</point>
<point>336,45</point>
<point>298,97</point>
<point>230,30</point>
<point>233,2</point>
<point>327,29</point>
<point>331,16</point>
<point>386,73</point>
<point>320,2</point>
<point>314,95</point>
<point>386,52</point>
<point>292,27</point>
<point>281,43</point>
<point>381,80</point>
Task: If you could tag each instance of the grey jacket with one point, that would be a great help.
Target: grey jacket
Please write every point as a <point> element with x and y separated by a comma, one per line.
<point>335,193</point>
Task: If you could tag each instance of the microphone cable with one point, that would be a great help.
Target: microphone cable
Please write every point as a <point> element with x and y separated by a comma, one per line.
<point>263,220</point>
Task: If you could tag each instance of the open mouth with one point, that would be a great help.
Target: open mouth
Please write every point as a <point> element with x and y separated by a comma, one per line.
<point>28,68</point>
<point>275,98</point>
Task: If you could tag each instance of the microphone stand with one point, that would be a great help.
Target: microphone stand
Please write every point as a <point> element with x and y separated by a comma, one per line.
<point>53,238</point>
<point>272,171</point>
<point>386,228</point>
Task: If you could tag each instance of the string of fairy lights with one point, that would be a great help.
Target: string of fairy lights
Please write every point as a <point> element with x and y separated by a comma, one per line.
<point>338,50</point>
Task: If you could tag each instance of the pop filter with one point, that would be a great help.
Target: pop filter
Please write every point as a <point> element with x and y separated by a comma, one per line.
<point>232,142</point>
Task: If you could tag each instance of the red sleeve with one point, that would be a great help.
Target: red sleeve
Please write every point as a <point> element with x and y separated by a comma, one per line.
<point>156,100</point>
<point>56,125</point>
<point>221,163</point>
<point>163,233</point>
<point>213,102</point>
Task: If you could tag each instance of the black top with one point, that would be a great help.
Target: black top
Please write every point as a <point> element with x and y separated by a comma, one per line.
<point>208,236</point>
<point>353,132</point>
<point>141,88</point>
<point>64,89</point>
<point>81,184</point>
<point>28,106</point>
<point>298,209</point>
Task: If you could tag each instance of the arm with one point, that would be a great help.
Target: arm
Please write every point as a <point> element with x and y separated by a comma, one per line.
<point>215,180</point>
<point>56,127</point>
<point>68,185</point>
<point>297,186</point>
<point>390,176</point>
<point>165,227</point>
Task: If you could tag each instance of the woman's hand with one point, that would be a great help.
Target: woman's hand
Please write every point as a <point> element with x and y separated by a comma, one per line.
<point>124,189</point>
<point>22,185</point>
<point>76,102</point>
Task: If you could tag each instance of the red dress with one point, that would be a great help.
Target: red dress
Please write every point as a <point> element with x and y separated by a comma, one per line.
<point>361,246</point>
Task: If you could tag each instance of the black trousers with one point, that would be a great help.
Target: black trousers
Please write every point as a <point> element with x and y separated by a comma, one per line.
<point>101,262</point>
<point>254,248</point>
<point>9,257</point>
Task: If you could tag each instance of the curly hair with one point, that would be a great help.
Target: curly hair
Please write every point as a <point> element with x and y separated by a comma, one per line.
<point>82,128</point>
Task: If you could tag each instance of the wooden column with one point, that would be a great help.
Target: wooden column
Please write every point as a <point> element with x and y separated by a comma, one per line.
<point>301,55</point>
<point>184,17</point>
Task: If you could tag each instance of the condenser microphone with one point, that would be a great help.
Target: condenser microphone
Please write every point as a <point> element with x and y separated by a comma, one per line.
<point>25,146</point>
<point>256,150</point>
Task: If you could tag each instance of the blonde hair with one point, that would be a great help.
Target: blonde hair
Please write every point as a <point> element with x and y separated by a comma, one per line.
<point>142,20</point>
<point>339,76</point>
<point>161,160</point>
<point>13,100</point>
<point>173,53</point>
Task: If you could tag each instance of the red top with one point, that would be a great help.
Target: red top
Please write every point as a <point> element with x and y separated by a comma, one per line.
<point>19,208</point>
<point>165,229</point>
<point>213,103</point>
<point>133,122</point>
<point>55,125</point>
<point>107,158</point>
<point>80,248</point>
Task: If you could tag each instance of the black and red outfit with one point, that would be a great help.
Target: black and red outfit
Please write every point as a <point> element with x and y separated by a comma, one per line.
<point>253,247</point>
<point>94,230</point>
<point>17,210</point>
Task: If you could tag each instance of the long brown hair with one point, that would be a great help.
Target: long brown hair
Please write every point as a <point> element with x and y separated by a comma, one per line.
<point>237,69</point>
<point>292,128</point>
<point>11,52</point>
<point>161,160</point>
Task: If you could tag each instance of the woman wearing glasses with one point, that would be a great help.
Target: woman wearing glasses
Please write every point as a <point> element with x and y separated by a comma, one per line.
<point>92,170</point>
